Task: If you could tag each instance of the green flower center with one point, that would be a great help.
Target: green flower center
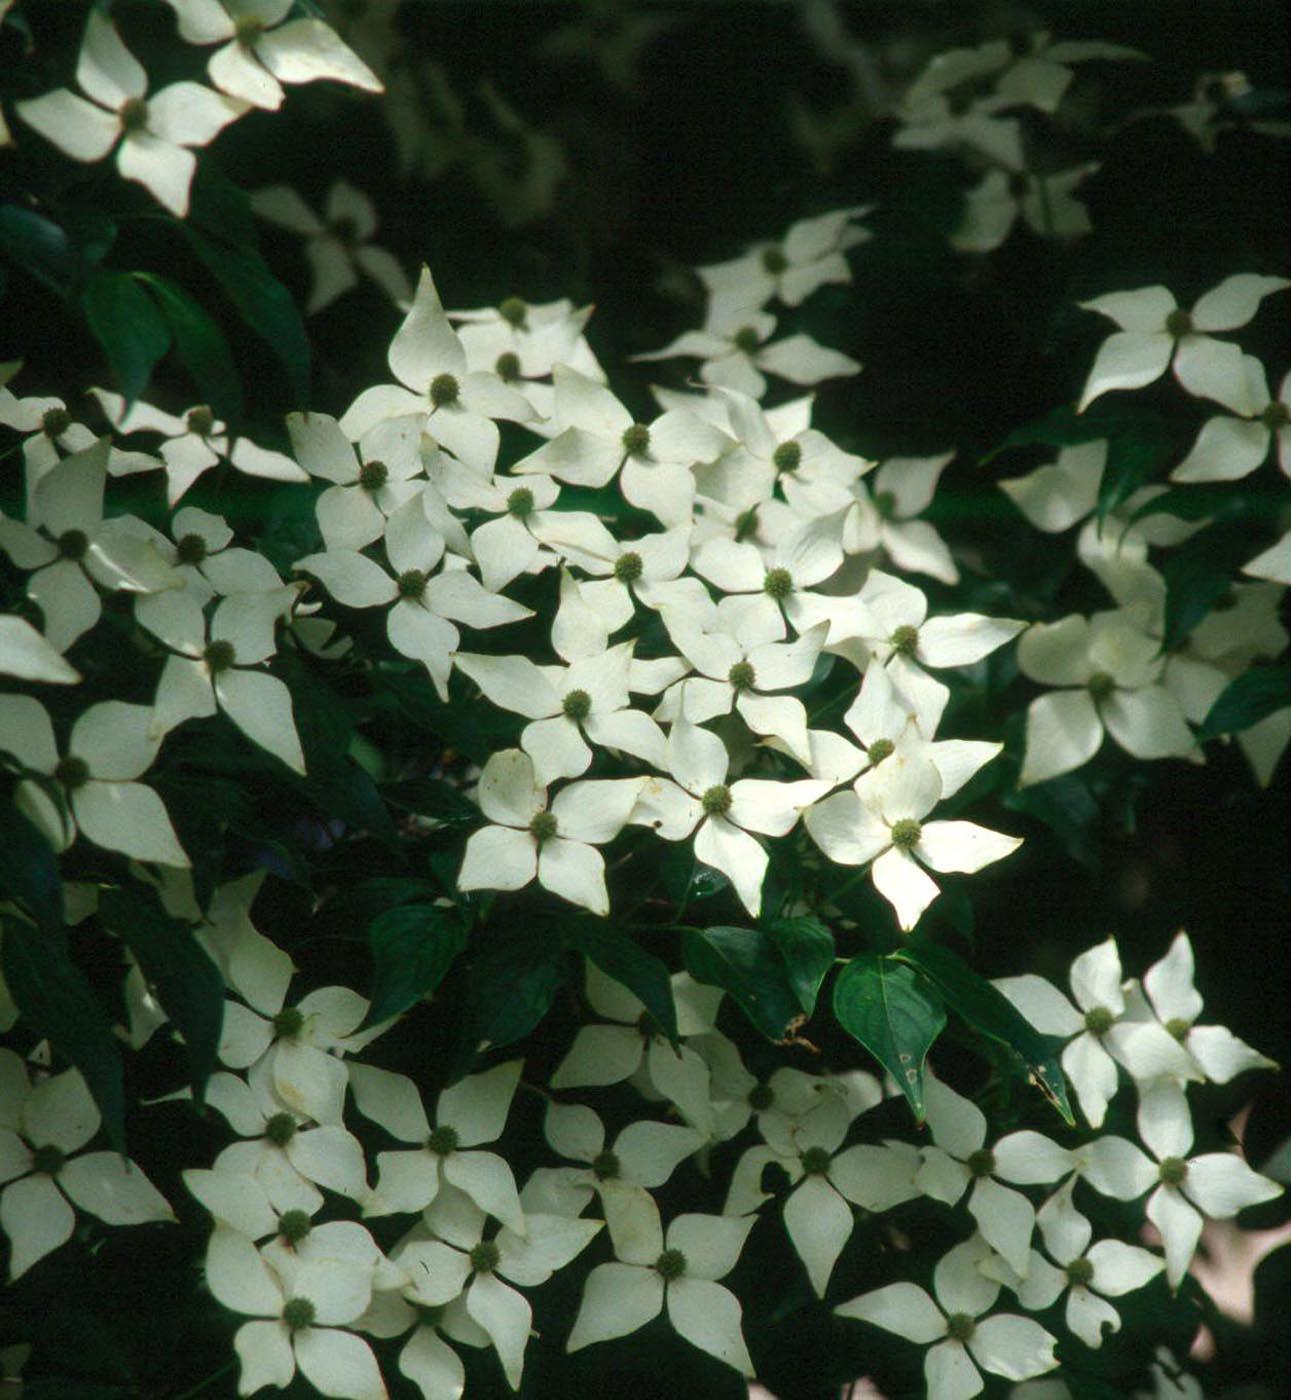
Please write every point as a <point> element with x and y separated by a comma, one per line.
<point>1173,1171</point>
<point>542,827</point>
<point>885,502</point>
<point>191,549</point>
<point>1099,1020</point>
<point>1179,1028</point>
<point>54,422</point>
<point>72,772</point>
<point>1018,186</point>
<point>670,1264</point>
<point>442,1140</point>
<point>1100,685</point>
<point>761,1097</point>
<point>960,1327</point>
<point>636,439</point>
<point>742,676</point>
<point>1178,323</point>
<point>1080,1272</point>
<point>248,28</point>
<point>905,639</point>
<point>746,524</point>
<point>787,457</point>
<point>298,1313</point>
<point>48,1160</point>
<point>444,390</point>
<point>746,340</point>
<point>879,750</point>
<point>280,1129</point>
<point>777,584</point>
<point>73,544</point>
<point>716,801</point>
<point>577,705</point>
<point>293,1226</point>
<point>628,567</point>
<point>411,583</point>
<point>200,420</point>
<point>513,311</point>
<point>507,366</point>
<point>373,475</point>
<point>288,1023</point>
<point>485,1257</point>
<point>906,833</point>
<point>815,1161</point>
<point>774,261</point>
<point>219,656</point>
<point>520,503</point>
<point>981,1163</point>
<point>605,1166</point>
<point>1276,415</point>
<point>133,114</point>
<point>345,231</point>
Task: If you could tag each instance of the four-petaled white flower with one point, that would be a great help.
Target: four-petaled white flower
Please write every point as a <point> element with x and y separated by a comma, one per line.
<point>1230,448</point>
<point>964,1339</point>
<point>155,133</point>
<point>1046,203</point>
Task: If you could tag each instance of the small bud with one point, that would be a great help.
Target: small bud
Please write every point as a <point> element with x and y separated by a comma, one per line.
<point>513,311</point>
<point>507,366</point>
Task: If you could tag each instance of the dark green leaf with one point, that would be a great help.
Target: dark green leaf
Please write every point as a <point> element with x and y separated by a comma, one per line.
<point>1068,808</point>
<point>1138,453</point>
<point>510,987</point>
<point>217,205</point>
<point>1253,696</point>
<point>57,1002</point>
<point>987,1010</point>
<point>413,947</point>
<point>432,797</point>
<point>361,903</point>
<point>262,302</point>
<point>619,956</point>
<point>895,1014</point>
<point>29,867</point>
<point>806,948</point>
<point>182,976</point>
<point>1201,501</point>
<point>1197,577</point>
<point>39,246</point>
<point>1065,426</point>
<point>128,325</point>
<point>200,345</point>
<point>746,963</point>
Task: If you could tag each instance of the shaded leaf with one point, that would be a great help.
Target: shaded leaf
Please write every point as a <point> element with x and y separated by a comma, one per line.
<point>1136,454</point>
<point>39,245</point>
<point>510,988</point>
<point>895,1014</point>
<point>29,868</point>
<point>988,1011</point>
<point>413,948</point>
<point>1253,696</point>
<point>1197,577</point>
<point>200,346</point>
<point>619,956</point>
<point>177,968</point>
<point>746,963</point>
<point>57,1002</point>
<point>432,797</point>
<point>806,947</point>
<point>128,325</point>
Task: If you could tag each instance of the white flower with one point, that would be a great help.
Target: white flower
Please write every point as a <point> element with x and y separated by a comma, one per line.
<point>883,820</point>
<point>1156,332</point>
<point>110,746</point>
<point>1273,563</point>
<point>24,653</point>
<point>556,844</point>
<point>264,49</point>
<point>1046,203</point>
<point>632,1046</point>
<point>698,801</point>
<point>934,122</point>
<point>154,133</point>
<point>337,246</point>
<point>1100,1035</point>
<point>1173,1000</point>
<point>195,441</point>
<point>514,542</point>
<point>1111,669</point>
<point>678,1270</point>
<point>809,256</point>
<point>468,1113</point>
<point>1214,1185</point>
<point>40,1129</point>
<point>462,1263</point>
<point>1056,495</point>
<point>960,1159</point>
<point>1005,1345</point>
<point>301,1306</point>
<point>1228,449</point>
<point>427,358</point>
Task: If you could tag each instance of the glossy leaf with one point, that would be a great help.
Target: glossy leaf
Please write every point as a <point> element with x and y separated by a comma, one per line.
<point>806,947</point>
<point>200,346</point>
<point>129,326</point>
<point>1253,696</point>
<point>619,956</point>
<point>413,948</point>
<point>746,963</point>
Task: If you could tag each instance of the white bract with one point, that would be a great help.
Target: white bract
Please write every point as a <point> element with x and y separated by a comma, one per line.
<point>963,1338</point>
<point>1155,333</point>
<point>1228,449</point>
<point>155,133</point>
<point>677,1270</point>
<point>1046,203</point>
<point>41,1127</point>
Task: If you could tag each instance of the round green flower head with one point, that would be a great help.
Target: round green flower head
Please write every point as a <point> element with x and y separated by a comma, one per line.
<point>219,656</point>
<point>1173,1171</point>
<point>444,390</point>
<point>905,639</point>
<point>761,1097</point>
<point>373,475</point>
<point>879,750</point>
<point>48,1160</point>
<point>411,583</point>
<point>1080,1273</point>
<point>54,422</point>
<point>1276,415</point>
<point>787,457</point>
<point>200,420</point>
<point>745,340</point>
<point>1099,1020</point>
<point>815,1161</point>
<point>982,1162</point>
<point>742,676</point>
<point>442,1140</point>
<point>577,705</point>
<point>716,801</point>
<point>507,366</point>
<point>513,311</point>
<point>191,549</point>
<point>298,1313</point>
<point>778,583</point>
<point>906,833</point>
<point>1178,323</point>
<point>636,439</point>
<point>280,1129</point>
<point>133,114</point>
<point>294,1225</point>
<point>485,1257</point>
<point>885,503</point>
<point>288,1023</point>
<point>72,772</point>
<point>542,827</point>
<point>520,502</point>
<point>774,261</point>
<point>1100,685</point>
<point>73,544</point>
<point>960,1327</point>
<point>629,567</point>
<point>670,1264</point>
<point>605,1166</point>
